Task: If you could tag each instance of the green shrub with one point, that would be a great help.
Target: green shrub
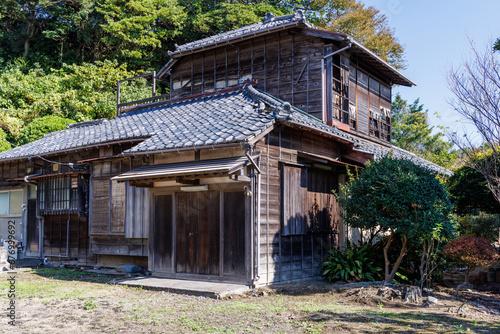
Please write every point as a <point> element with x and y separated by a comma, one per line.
<point>41,126</point>
<point>4,144</point>
<point>409,271</point>
<point>482,225</point>
<point>470,192</point>
<point>80,92</point>
<point>351,264</point>
<point>401,198</point>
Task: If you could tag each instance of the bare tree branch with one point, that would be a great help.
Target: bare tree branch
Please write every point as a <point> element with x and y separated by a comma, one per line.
<point>476,86</point>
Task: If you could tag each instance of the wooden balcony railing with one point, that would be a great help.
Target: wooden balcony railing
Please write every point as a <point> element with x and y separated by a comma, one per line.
<point>123,107</point>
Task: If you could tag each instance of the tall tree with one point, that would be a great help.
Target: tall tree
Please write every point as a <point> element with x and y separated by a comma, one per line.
<point>411,131</point>
<point>71,26</point>
<point>224,17</point>
<point>140,31</point>
<point>476,89</point>
<point>29,28</point>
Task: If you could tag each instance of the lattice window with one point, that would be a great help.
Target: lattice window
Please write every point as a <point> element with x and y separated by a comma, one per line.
<point>58,195</point>
<point>340,87</point>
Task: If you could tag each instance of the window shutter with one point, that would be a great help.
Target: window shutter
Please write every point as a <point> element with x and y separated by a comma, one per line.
<point>294,200</point>
<point>137,212</point>
<point>100,206</point>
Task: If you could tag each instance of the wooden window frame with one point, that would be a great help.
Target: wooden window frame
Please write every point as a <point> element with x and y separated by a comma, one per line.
<point>338,90</point>
<point>57,195</point>
<point>9,204</point>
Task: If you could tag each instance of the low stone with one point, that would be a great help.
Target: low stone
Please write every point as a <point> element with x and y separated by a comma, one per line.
<point>432,300</point>
<point>129,269</point>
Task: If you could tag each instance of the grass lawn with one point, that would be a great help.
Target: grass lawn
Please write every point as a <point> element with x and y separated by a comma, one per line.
<point>72,301</point>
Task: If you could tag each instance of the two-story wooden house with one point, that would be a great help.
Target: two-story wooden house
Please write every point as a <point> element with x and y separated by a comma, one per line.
<point>231,176</point>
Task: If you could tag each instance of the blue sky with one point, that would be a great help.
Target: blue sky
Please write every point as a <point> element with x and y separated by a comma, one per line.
<point>435,35</point>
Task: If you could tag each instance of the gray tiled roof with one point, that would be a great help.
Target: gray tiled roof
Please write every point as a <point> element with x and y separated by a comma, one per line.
<point>270,23</point>
<point>217,118</point>
<point>379,151</point>
<point>223,117</point>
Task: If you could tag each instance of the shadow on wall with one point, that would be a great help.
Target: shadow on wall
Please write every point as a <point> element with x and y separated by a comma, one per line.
<point>298,253</point>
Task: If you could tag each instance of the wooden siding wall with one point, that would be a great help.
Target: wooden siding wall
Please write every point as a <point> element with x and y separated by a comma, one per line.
<point>108,232</point>
<point>20,168</point>
<point>284,64</point>
<point>362,102</point>
<point>55,226</point>
<point>13,170</point>
<point>55,245</point>
<point>120,216</point>
<point>284,258</point>
<point>287,65</point>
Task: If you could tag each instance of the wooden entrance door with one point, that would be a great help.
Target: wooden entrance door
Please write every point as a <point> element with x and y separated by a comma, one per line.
<point>33,231</point>
<point>161,243</point>
<point>198,232</point>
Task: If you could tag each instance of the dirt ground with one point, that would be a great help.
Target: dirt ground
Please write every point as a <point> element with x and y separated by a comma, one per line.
<point>73,301</point>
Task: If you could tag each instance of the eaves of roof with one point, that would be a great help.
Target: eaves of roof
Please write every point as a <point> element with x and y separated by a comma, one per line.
<point>282,23</point>
<point>378,151</point>
<point>381,65</point>
<point>218,119</point>
<point>270,24</point>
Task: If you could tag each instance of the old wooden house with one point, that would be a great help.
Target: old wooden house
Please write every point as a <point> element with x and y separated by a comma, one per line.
<point>228,177</point>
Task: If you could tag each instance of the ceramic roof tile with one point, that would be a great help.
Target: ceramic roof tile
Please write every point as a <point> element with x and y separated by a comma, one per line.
<point>270,22</point>
<point>379,151</point>
<point>196,121</point>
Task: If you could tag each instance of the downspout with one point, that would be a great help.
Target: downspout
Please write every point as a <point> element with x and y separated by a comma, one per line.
<point>256,232</point>
<point>323,78</point>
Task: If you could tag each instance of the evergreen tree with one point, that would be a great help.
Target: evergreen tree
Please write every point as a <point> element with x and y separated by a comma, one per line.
<point>412,132</point>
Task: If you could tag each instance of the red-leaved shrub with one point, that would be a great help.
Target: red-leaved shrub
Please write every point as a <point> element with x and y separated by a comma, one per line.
<point>472,252</point>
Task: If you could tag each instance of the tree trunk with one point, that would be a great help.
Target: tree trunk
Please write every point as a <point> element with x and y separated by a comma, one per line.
<point>423,266</point>
<point>413,295</point>
<point>397,263</point>
<point>460,286</point>
<point>26,47</point>
<point>386,256</point>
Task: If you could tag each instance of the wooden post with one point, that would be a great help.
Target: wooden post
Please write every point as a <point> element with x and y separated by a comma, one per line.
<point>117,97</point>
<point>154,84</point>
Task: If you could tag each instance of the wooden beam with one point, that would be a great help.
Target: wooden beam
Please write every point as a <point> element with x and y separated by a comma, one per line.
<point>183,180</point>
<point>325,34</point>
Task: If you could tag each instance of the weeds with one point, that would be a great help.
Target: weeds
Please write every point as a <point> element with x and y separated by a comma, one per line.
<point>89,305</point>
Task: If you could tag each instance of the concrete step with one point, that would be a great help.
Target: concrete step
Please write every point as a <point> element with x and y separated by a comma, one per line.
<point>217,290</point>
